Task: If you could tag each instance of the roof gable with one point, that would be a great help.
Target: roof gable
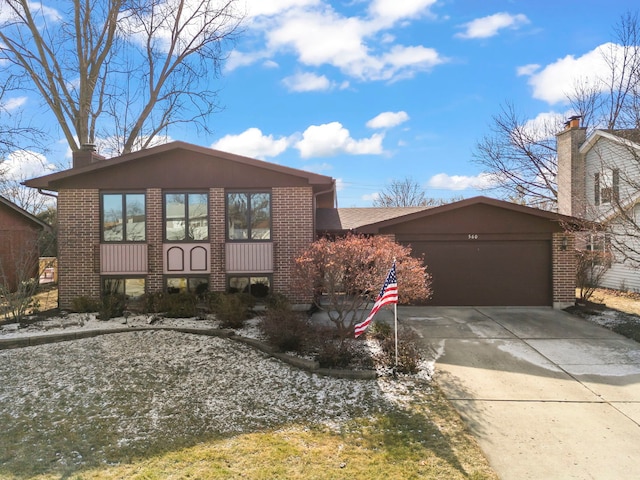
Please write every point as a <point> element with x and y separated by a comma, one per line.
<point>180,165</point>
<point>628,138</point>
<point>16,210</point>
<point>364,223</point>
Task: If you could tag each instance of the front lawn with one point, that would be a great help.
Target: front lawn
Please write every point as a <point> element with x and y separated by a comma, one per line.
<point>162,404</point>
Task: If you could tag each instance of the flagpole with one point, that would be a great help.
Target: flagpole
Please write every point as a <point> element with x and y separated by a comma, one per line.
<point>395,315</point>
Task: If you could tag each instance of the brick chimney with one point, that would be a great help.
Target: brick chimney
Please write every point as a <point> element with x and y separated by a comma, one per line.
<point>86,156</point>
<point>571,169</point>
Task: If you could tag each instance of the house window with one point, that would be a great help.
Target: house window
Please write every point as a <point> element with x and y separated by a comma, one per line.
<point>249,216</point>
<point>197,285</point>
<point>186,216</point>
<point>607,186</point>
<point>131,288</point>
<point>123,217</point>
<point>258,286</point>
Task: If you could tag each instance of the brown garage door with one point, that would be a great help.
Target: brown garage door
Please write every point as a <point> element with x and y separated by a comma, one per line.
<point>488,272</point>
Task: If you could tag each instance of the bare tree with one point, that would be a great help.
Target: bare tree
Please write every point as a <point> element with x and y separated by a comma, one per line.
<point>521,157</point>
<point>121,69</point>
<point>401,193</point>
<point>15,133</point>
<point>406,193</point>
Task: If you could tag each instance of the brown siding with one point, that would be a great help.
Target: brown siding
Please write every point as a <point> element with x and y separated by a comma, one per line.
<point>18,248</point>
<point>293,232</point>
<point>78,240</point>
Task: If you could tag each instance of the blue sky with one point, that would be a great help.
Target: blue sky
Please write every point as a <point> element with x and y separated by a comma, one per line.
<point>370,91</point>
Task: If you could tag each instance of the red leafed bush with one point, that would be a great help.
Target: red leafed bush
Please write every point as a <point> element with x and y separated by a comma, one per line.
<point>346,275</point>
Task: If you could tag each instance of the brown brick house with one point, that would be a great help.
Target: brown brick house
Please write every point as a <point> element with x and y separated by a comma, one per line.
<point>19,233</point>
<point>180,217</point>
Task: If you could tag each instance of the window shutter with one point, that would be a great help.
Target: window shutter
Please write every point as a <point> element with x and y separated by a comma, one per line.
<point>616,185</point>
<point>596,188</point>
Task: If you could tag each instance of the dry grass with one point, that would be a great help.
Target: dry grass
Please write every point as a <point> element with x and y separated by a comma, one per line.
<point>622,301</point>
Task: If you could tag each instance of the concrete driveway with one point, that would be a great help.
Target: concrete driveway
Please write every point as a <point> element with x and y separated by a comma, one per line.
<point>547,394</point>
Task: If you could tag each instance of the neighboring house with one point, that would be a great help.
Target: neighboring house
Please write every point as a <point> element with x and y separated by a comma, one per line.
<point>179,217</point>
<point>19,234</point>
<point>599,180</point>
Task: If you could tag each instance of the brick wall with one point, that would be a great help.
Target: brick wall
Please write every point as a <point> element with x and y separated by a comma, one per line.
<point>292,232</point>
<point>564,270</point>
<point>155,232</point>
<point>217,233</point>
<point>78,241</point>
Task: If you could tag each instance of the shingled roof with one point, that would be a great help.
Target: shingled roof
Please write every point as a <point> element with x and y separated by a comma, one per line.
<point>345,219</point>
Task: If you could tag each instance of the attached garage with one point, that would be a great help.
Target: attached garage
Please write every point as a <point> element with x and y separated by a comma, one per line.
<point>488,272</point>
<point>481,251</point>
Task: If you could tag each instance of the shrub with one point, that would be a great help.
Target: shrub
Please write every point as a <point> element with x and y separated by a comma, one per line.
<point>334,353</point>
<point>380,330</point>
<point>408,353</point>
<point>111,305</point>
<point>345,275</point>
<point>285,329</point>
<point>277,301</point>
<point>179,305</point>
<point>233,309</point>
<point>591,268</point>
<point>85,305</point>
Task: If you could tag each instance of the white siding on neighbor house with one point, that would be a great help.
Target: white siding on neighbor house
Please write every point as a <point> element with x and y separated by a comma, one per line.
<point>607,155</point>
<point>624,275</point>
<point>621,277</point>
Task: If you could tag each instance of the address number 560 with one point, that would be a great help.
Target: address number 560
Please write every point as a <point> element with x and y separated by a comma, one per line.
<point>473,236</point>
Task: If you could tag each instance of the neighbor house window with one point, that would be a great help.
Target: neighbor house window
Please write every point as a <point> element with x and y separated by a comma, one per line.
<point>197,285</point>
<point>131,288</point>
<point>186,216</point>
<point>123,217</point>
<point>606,186</point>
<point>249,216</point>
<point>258,286</point>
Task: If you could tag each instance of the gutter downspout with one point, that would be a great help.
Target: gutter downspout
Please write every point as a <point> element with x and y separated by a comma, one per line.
<point>315,203</point>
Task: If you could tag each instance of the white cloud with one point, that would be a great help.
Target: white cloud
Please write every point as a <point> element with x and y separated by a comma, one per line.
<point>388,119</point>
<point>489,26</point>
<point>256,8</point>
<point>37,10</point>
<point>252,143</point>
<point>331,139</point>
<point>444,181</point>
<point>370,197</point>
<point>545,125</point>
<point>526,70</point>
<point>307,82</point>
<point>13,103</point>
<point>557,80</point>
<point>393,10</point>
<point>23,165</point>
<point>359,46</point>
<point>339,184</point>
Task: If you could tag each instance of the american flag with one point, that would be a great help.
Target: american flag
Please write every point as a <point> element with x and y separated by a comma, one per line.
<point>388,295</point>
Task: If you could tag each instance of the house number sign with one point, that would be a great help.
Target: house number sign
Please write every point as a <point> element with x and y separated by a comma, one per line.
<point>473,236</point>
